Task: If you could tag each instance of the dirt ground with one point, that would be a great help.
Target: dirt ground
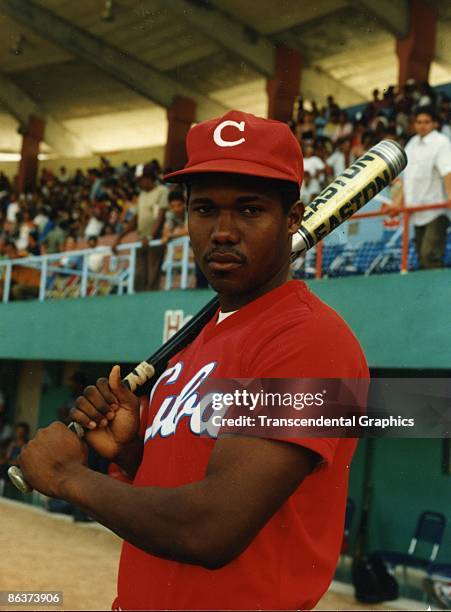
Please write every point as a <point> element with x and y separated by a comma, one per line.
<point>48,552</point>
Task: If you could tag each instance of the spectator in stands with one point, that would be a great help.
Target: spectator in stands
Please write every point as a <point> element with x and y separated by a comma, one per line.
<point>427,95</point>
<point>96,221</point>
<point>12,209</point>
<point>305,129</point>
<point>95,260</point>
<point>156,168</point>
<point>149,220</point>
<point>427,180</point>
<point>309,189</point>
<point>25,226</point>
<point>333,127</point>
<point>340,159</point>
<point>55,235</point>
<point>33,248</point>
<point>175,224</point>
<point>63,176</point>
<point>95,178</point>
<point>41,219</point>
<point>114,218</point>
<point>21,437</point>
<point>315,166</point>
<point>344,129</point>
<point>71,261</point>
<point>10,249</point>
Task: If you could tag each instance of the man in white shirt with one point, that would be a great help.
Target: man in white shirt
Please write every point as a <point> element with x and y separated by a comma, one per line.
<point>315,166</point>
<point>97,258</point>
<point>149,220</point>
<point>309,190</point>
<point>427,180</point>
<point>341,158</point>
<point>12,209</point>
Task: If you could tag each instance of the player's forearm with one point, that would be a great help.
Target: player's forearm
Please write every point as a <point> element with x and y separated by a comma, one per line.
<point>129,227</point>
<point>172,523</point>
<point>130,457</point>
<point>447,183</point>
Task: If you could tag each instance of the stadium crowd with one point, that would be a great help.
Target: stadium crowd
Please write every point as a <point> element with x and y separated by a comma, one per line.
<point>66,212</point>
<point>332,139</point>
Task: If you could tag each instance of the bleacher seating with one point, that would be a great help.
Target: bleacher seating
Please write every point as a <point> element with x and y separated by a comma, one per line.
<point>369,257</point>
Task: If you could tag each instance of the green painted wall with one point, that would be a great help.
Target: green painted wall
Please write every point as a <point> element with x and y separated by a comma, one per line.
<point>408,479</point>
<point>108,329</point>
<point>401,321</point>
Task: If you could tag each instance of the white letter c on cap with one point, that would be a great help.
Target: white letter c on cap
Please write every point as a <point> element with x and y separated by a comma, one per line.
<point>228,143</point>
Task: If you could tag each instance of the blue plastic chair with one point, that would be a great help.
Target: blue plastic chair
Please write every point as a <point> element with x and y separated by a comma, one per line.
<point>429,530</point>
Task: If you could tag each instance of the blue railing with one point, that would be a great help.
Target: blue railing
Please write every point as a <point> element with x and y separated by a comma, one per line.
<point>56,278</point>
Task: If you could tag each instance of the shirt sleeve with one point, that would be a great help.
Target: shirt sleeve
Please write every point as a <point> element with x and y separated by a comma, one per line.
<point>162,200</point>
<point>443,160</point>
<point>309,345</point>
<point>303,351</point>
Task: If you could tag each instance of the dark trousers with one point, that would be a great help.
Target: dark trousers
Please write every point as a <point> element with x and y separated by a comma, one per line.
<point>148,267</point>
<point>430,241</point>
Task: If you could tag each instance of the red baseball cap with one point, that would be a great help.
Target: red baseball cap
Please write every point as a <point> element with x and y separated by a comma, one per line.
<point>242,143</point>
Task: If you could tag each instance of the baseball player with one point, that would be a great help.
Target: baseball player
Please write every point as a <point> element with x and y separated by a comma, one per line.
<point>236,522</point>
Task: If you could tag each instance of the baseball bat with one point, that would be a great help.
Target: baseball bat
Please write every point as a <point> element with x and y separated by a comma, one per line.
<point>347,193</point>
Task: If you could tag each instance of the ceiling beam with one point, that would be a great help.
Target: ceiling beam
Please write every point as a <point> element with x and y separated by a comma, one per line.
<point>21,106</point>
<point>137,75</point>
<point>317,84</point>
<point>230,34</point>
<point>393,15</point>
<point>234,36</point>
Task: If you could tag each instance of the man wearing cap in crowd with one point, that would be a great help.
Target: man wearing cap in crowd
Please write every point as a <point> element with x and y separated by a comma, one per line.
<point>233,522</point>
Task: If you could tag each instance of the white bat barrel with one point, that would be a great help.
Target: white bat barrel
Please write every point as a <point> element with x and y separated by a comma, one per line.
<point>347,193</point>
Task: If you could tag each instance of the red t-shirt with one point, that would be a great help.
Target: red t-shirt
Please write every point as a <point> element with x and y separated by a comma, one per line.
<point>286,333</point>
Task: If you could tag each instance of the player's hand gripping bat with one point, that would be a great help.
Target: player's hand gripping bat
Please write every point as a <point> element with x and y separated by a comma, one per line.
<point>365,178</point>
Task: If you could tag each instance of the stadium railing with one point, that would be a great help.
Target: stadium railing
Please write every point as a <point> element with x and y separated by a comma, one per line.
<point>48,276</point>
<point>399,248</point>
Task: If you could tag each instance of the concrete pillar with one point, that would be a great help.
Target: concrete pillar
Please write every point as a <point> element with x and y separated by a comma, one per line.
<point>416,51</point>
<point>284,87</point>
<point>180,117</point>
<point>29,391</point>
<point>28,165</point>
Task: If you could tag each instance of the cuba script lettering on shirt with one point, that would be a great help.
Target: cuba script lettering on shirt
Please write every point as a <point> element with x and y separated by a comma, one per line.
<point>187,403</point>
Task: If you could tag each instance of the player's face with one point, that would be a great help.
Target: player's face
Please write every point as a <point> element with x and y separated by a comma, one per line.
<point>240,235</point>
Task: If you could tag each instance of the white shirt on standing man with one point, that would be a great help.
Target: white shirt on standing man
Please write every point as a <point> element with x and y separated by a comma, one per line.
<point>429,161</point>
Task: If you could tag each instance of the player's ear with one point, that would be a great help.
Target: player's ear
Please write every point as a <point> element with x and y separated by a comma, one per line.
<point>295,217</point>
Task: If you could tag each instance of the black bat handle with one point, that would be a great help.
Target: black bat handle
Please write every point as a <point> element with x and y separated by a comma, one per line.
<point>157,362</point>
